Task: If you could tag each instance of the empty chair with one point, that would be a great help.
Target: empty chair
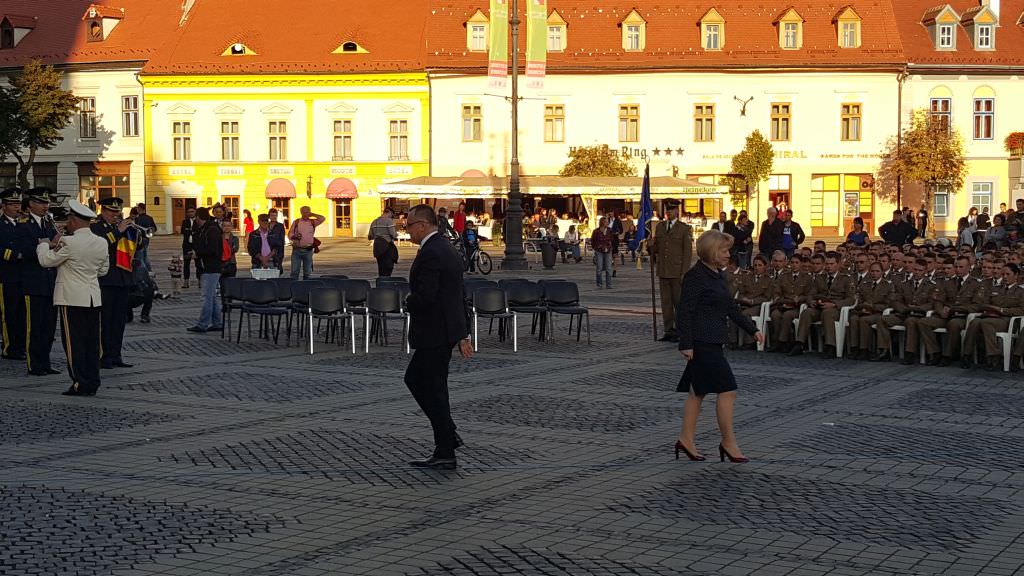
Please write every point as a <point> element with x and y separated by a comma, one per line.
<point>299,308</point>
<point>528,298</point>
<point>504,283</point>
<point>335,276</point>
<point>493,303</point>
<point>382,304</point>
<point>564,298</point>
<point>284,288</point>
<point>260,297</point>
<point>230,300</point>
<point>391,279</point>
<point>328,304</point>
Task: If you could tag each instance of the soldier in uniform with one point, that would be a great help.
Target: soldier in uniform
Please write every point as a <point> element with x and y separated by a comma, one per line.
<point>12,300</point>
<point>832,291</point>
<point>912,301</point>
<point>755,288</point>
<point>673,254</point>
<point>790,290</point>
<point>115,285</point>
<point>1002,300</point>
<point>961,292</point>
<point>79,257</point>
<point>873,297</point>
<point>37,282</point>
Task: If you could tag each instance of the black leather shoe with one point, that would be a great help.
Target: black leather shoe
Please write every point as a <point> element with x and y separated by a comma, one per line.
<point>122,365</point>
<point>196,329</point>
<point>666,338</point>
<point>48,372</point>
<point>145,320</point>
<point>908,359</point>
<point>14,357</point>
<point>797,349</point>
<point>73,391</point>
<point>829,353</point>
<point>435,463</point>
<point>883,356</point>
<point>965,363</point>
<point>458,441</point>
<point>944,361</point>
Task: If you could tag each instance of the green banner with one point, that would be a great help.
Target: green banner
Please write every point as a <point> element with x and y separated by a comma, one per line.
<point>497,68</point>
<point>536,42</point>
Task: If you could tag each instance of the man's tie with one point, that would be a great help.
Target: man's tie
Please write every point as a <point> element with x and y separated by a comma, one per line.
<point>829,284</point>
<point>959,283</point>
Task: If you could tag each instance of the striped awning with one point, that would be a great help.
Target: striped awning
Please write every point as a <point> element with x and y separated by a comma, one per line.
<point>280,188</point>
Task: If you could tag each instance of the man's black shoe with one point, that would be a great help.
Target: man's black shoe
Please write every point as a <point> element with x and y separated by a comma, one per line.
<point>665,338</point>
<point>458,441</point>
<point>829,353</point>
<point>943,361</point>
<point>883,356</point>
<point>797,349</point>
<point>196,329</point>
<point>122,365</point>
<point>435,463</point>
<point>965,363</point>
<point>144,319</point>
<point>14,357</point>
<point>908,359</point>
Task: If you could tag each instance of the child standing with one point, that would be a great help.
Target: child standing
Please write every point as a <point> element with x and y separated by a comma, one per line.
<point>176,268</point>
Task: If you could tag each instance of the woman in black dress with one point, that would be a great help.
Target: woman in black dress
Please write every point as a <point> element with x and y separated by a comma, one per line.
<point>701,323</point>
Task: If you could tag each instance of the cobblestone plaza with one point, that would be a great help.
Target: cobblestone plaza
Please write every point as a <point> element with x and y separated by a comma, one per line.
<point>210,457</point>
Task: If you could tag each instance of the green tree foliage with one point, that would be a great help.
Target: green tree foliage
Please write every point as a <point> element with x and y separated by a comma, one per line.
<point>932,155</point>
<point>754,163</point>
<point>597,161</point>
<point>34,109</point>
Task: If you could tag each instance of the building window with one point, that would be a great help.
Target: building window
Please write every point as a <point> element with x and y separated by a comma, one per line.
<point>6,36</point>
<point>981,196</point>
<point>634,37</point>
<point>704,123</point>
<point>398,136</point>
<point>343,140</point>
<point>478,37</point>
<point>940,112</point>
<point>712,37</point>
<point>941,201</point>
<point>472,123</point>
<point>87,117</point>
<point>554,123</point>
<point>946,36</point>
<point>93,188</point>
<point>984,118</point>
<point>629,123</point>
<point>278,131</point>
<point>791,35</point>
<point>781,121</point>
<point>984,37</point>
<point>182,132</point>
<point>229,141</point>
<point>556,38</point>
<point>130,116</point>
<point>44,174</point>
<point>851,122</point>
<point>849,35</point>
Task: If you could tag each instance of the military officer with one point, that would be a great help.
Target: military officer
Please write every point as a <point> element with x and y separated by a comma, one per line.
<point>80,257</point>
<point>12,300</point>
<point>115,284</point>
<point>37,282</point>
<point>672,250</point>
<point>873,297</point>
<point>791,289</point>
<point>832,292</point>
<point>958,302</point>
<point>912,301</point>
<point>754,289</point>
<point>1004,300</point>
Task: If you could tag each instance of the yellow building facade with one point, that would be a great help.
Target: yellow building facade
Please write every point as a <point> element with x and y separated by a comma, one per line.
<point>252,142</point>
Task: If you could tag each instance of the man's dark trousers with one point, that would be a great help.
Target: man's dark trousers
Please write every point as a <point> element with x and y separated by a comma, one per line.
<point>116,306</point>
<point>427,380</point>
<point>13,319</point>
<point>80,328</point>
<point>41,328</point>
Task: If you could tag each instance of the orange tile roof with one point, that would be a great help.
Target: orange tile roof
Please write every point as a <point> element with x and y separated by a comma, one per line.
<point>103,11</point>
<point>919,45</point>
<point>594,38</point>
<point>59,33</point>
<point>298,38</point>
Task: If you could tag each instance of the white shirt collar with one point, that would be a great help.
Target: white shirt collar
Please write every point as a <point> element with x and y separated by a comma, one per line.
<point>427,237</point>
<point>38,219</point>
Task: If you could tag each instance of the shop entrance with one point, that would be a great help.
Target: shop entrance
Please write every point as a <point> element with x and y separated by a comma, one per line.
<point>343,217</point>
<point>232,206</point>
<point>178,208</point>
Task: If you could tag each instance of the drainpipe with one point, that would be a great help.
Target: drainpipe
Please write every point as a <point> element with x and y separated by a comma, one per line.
<point>900,79</point>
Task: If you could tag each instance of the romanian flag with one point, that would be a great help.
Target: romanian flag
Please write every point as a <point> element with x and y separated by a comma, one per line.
<point>126,246</point>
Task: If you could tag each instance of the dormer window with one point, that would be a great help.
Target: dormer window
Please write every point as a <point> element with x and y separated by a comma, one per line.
<point>476,32</point>
<point>791,30</point>
<point>946,36</point>
<point>848,27</point>
<point>941,22</point>
<point>238,49</point>
<point>980,23</point>
<point>100,21</point>
<point>350,47</point>
<point>13,28</point>
<point>984,37</point>
<point>634,32</point>
<point>556,32</point>
<point>712,30</point>
<point>790,35</point>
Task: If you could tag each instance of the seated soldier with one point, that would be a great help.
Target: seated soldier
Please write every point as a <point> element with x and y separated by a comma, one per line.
<point>873,296</point>
<point>832,291</point>
<point>790,289</point>
<point>754,289</point>
<point>1003,300</point>
<point>958,302</point>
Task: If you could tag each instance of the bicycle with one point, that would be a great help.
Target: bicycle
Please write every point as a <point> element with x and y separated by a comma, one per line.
<point>482,261</point>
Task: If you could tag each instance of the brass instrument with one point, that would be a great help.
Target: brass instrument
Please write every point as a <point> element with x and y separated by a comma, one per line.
<point>131,224</point>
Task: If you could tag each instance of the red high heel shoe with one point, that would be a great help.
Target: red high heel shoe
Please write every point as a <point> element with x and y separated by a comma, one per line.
<point>723,454</point>
<point>691,456</point>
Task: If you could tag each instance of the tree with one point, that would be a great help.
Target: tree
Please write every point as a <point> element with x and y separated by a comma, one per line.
<point>34,110</point>
<point>931,154</point>
<point>754,163</point>
<point>597,161</point>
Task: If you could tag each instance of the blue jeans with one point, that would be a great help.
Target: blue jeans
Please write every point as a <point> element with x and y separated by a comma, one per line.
<point>210,315</point>
<point>603,260</point>
<point>302,259</point>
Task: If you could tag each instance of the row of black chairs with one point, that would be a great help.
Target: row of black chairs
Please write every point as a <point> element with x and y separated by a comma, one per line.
<point>543,300</point>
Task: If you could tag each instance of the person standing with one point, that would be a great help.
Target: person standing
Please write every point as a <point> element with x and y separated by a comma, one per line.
<point>601,244</point>
<point>229,251</point>
<point>704,309</point>
<point>792,234</point>
<point>187,229</point>
<point>209,248</point>
<point>770,238</point>
<point>37,282</point>
<point>115,284</point>
<point>383,234</point>
<point>80,258</point>
<point>898,231</point>
<point>459,219</point>
<point>144,220</point>
<point>672,253</point>
<point>247,223</point>
<point>304,242</point>
<point>438,323</point>
<point>264,246</point>
<point>12,300</point>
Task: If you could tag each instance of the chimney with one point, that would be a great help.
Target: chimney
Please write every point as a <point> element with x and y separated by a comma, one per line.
<point>993,4</point>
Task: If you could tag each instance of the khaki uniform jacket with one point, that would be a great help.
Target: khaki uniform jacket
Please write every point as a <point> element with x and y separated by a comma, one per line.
<point>841,293</point>
<point>917,299</point>
<point>793,288</point>
<point>673,250</point>
<point>1009,299</point>
<point>80,260</point>
<point>962,300</point>
<point>755,290</point>
<point>734,279</point>
<point>874,297</point>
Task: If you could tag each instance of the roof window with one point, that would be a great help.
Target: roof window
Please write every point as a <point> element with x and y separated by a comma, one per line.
<point>13,29</point>
<point>100,21</point>
<point>239,49</point>
<point>350,47</point>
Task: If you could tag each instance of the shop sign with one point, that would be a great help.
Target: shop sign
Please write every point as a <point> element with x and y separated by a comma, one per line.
<point>343,171</point>
<point>230,171</point>
<point>281,171</point>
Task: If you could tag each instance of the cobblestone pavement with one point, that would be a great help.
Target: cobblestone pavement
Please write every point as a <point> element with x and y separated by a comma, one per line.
<point>210,457</point>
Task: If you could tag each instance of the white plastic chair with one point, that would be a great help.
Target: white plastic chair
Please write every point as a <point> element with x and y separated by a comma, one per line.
<point>1006,339</point>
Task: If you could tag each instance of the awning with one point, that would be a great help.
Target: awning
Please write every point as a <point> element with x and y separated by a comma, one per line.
<point>342,188</point>
<point>280,188</point>
<point>597,187</point>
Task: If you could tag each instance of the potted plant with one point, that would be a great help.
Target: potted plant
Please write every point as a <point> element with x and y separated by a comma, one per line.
<point>1015,143</point>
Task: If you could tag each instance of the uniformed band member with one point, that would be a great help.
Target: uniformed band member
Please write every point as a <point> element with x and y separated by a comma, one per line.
<point>115,284</point>
<point>37,282</point>
<point>79,257</point>
<point>12,299</point>
<point>672,250</point>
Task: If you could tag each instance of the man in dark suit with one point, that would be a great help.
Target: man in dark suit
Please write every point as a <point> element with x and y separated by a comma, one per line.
<point>12,300</point>
<point>115,285</point>
<point>37,282</point>
<point>437,306</point>
<point>188,226</point>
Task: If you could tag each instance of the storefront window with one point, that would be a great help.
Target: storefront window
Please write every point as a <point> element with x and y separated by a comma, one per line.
<point>92,189</point>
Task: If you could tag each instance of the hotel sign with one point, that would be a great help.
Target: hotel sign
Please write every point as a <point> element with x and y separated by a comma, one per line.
<point>183,171</point>
<point>399,170</point>
<point>642,153</point>
<point>281,171</point>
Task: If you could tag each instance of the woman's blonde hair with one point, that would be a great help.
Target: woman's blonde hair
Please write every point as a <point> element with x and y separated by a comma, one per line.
<point>710,243</point>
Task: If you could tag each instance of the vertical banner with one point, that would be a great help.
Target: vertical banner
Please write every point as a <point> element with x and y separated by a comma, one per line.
<point>536,42</point>
<point>497,68</point>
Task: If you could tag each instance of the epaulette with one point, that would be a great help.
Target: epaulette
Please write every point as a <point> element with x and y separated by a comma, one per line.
<point>24,220</point>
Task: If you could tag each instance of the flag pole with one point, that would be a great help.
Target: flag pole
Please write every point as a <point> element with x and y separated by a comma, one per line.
<point>654,306</point>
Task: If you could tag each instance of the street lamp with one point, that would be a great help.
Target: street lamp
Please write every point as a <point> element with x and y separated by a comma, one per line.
<point>515,258</point>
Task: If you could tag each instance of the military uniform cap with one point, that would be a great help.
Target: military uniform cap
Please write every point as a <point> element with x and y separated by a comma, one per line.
<point>81,210</point>
<point>11,195</point>
<point>672,204</point>
<point>40,194</point>
<point>112,203</point>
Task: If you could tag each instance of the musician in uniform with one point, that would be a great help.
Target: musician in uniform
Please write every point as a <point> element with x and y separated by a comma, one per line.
<point>12,300</point>
<point>115,285</point>
<point>79,257</point>
<point>37,282</point>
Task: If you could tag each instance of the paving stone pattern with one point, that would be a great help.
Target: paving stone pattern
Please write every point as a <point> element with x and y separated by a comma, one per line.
<point>211,458</point>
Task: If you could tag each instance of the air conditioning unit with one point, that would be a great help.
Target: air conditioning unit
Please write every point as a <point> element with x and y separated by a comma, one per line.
<point>867,182</point>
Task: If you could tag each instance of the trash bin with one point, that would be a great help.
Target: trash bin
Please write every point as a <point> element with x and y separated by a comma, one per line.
<point>547,255</point>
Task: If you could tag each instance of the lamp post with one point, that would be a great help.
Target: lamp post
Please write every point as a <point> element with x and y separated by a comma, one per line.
<point>515,258</point>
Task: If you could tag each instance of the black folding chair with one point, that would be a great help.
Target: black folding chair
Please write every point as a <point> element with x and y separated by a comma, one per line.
<point>230,300</point>
<point>299,308</point>
<point>260,297</point>
<point>382,304</point>
<point>493,303</point>
<point>328,304</point>
<point>284,288</point>
<point>564,298</point>
<point>525,297</point>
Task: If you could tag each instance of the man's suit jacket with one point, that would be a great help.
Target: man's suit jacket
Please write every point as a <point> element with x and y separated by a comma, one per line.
<point>254,246</point>
<point>80,260</point>
<point>187,228</point>
<point>35,280</point>
<point>673,249</point>
<point>436,300</point>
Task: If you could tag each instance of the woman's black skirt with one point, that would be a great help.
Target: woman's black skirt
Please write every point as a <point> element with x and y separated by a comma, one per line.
<point>708,372</point>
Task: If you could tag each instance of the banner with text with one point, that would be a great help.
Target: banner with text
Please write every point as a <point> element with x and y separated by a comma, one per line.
<point>536,42</point>
<point>497,68</point>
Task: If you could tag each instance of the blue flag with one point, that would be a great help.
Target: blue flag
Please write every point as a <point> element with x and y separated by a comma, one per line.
<point>646,210</point>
